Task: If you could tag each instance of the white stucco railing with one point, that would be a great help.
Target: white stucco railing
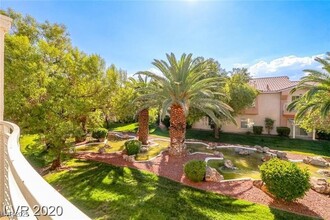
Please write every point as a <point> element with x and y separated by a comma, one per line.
<point>24,194</point>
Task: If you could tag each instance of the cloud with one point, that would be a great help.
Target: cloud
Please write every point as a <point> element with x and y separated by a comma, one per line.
<point>291,66</point>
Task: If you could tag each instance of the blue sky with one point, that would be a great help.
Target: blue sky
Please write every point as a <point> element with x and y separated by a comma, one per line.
<point>268,37</point>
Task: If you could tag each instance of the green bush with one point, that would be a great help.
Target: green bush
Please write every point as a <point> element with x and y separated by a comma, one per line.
<point>257,129</point>
<point>100,133</point>
<point>133,147</point>
<point>195,170</point>
<point>285,179</point>
<point>283,131</point>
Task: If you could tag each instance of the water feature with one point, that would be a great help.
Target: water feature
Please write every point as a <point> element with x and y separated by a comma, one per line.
<point>247,165</point>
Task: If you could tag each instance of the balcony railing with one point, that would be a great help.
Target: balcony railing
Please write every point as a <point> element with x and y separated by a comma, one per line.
<point>285,111</point>
<point>24,194</point>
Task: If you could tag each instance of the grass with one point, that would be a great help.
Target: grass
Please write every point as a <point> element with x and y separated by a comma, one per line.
<point>34,152</point>
<point>104,191</point>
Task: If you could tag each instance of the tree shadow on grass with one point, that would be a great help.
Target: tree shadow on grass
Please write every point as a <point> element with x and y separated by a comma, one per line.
<point>276,207</point>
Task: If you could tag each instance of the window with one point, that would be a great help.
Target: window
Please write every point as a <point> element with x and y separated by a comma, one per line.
<point>246,123</point>
<point>302,132</point>
<point>295,97</point>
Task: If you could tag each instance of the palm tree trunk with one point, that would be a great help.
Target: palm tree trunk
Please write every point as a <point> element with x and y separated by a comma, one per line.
<point>143,131</point>
<point>177,131</point>
<point>216,131</point>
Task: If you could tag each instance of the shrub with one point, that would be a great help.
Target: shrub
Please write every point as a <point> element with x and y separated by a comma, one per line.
<point>285,179</point>
<point>133,147</point>
<point>100,133</point>
<point>269,124</point>
<point>257,129</point>
<point>283,131</point>
<point>195,170</point>
<point>323,135</point>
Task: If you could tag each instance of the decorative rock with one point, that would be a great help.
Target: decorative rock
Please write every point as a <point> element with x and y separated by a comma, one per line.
<point>218,154</point>
<point>144,149</point>
<point>324,172</point>
<point>281,155</point>
<point>212,175</point>
<point>258,183</point>
<point>320,185</point>
<point>228,164</point>
<point>244,152</point>
<point>259,148</point>
<point>265,149</point>
<point>266,157</point>
<point>107,146</point>
<point>316,161</point>
<point>129,158</point>
<point>101,150</point>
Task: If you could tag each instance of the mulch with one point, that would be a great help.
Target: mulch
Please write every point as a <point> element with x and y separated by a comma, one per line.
<point>312,204</point>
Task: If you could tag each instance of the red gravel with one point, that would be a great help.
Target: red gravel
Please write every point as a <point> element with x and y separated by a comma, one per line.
<point>313,204</point>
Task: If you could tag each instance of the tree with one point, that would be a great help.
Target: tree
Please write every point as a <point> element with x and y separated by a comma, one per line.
<point>269,124</point>
<point>184,85</point>
<point>317,98</point>
<point>49,84</point>
<point>143,112</point>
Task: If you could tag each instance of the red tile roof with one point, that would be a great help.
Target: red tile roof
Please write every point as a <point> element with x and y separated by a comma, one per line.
<point>272,84</point>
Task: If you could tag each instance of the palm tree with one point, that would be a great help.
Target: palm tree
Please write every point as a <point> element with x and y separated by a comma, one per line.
<point>317,97</point>
<point>186,83</point>
<point>143,111</point>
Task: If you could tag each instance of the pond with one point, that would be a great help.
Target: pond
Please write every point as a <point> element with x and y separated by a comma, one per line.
<point>247,165</point>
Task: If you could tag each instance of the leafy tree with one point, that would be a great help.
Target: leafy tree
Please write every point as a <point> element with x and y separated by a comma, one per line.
<point>269,124</point>
<point>317,84</point>
<point>184,85</point>
<point>51,87</point>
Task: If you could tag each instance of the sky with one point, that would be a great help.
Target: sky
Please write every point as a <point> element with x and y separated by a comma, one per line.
<point>270,38</point>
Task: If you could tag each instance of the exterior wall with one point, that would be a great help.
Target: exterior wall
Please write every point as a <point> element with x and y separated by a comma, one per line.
<point>202,124</point>
<point>268,107</point>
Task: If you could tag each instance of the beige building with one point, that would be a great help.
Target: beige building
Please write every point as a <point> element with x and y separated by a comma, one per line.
<point>272,101</point>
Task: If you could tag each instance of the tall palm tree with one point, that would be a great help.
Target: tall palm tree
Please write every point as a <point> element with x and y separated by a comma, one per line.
<point>317,97</point>
<point>141,84</point>
<point>186,83</point>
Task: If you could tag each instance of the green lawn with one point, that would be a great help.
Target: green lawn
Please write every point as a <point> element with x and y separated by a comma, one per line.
<point>103,191</point>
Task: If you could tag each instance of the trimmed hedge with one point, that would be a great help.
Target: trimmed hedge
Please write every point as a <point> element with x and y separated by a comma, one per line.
<point>257,129</point>
<point>195,170</point>
<point>285,179</point>
<point>99,133</point>
<point>133,147</point>
<point>283,131</point>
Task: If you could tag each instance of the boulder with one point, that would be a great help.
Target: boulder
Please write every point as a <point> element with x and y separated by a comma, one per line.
<point>144,149</point>
<point>324,172</point>
<point>266,157</point>
<point>281,155</point>
<point>316,161</point>
<point>218,154</point>
<point>130,158</point>
<point>107,146</point>
<point>101,150</point>
<point>259,148</point>
<point>320,185</point>
<point>265,149</point>
<point>212,175</point>
<point>228,164</point>
<point>258,183</point>
<point>244,152</point>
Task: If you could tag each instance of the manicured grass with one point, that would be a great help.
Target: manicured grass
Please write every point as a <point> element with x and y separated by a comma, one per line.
<point>34,152</point>
<point>103,191</point>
